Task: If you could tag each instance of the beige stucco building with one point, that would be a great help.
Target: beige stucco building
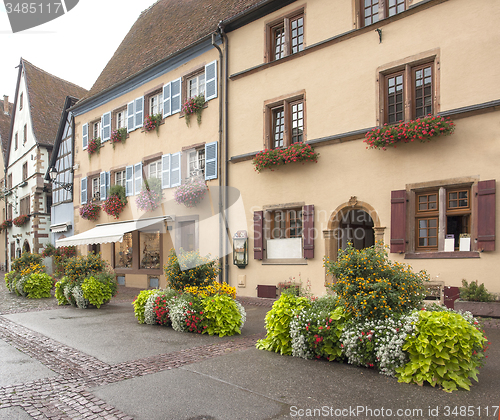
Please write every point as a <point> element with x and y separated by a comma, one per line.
<point>318,72</point>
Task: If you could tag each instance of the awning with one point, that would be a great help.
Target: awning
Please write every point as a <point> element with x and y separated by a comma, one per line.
<point>109,232</point>
<point>60,227</point>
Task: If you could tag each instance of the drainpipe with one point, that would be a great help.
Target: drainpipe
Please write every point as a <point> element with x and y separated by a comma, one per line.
<point>219,152</point>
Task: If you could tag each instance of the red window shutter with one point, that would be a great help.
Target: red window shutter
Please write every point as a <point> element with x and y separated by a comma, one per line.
<point>258,235</point>
<point>308,220</point>
<point>486,191</point>
<point>398,221</point>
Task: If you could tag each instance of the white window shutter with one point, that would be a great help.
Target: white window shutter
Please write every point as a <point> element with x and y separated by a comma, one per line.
<point>106,126</point>
<point>175,96</point>
<point>165,171</point>
<point>102,186</point>
<point>129,180</point>
<point>139,112</point>
<point>166,100</point>
<point>211,160</point>
<point>175,170</point>
<point>85,136</point>
<point>137,178</point>
<point>130,117</point>
<point>83,189</point>
<point>211,81</point>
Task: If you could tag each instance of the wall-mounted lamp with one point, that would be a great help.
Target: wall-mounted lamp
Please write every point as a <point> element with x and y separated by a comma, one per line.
<point>240,249</point>
<point>53,175</point>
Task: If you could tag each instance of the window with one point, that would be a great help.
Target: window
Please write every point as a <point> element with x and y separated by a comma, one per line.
<point>9,181</point>
<point>150,249</point>
<point>372,11</point>
<point>24,205</point>
<point>444,216</point>
<point>15,142</point>
<point>95,189</point>
<point>409,89</point>
<point>154,169</point>
<point>21,101</point>
<point>196,162</point>
<point>120,178</point>
<point>25,134</point>
<point>186,235</point>
<point>285,123</point>
<point>286,223</point>
<point>123,252</point>
<point>120,119</point>
<point>25,171</point>
<point>285,36</point>
<point>155,103</point>
<point>196,85</point>
<point>9,212</point>
<point>96,129</point>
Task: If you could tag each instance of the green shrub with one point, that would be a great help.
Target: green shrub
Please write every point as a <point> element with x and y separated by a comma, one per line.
<point>371,286</point>
<point>190,269</point>
<point>474,292</point>
<point>109,279</point>
<point>38,285</point>
<point>96,292</point>
<point>81,267</point>
<point>278,323</point>
<point>140,303</point>
<point>59,291</point>
<point>25,260</point>
<point>444,350</point>
<point>11,279</point>
<point>222,315</point>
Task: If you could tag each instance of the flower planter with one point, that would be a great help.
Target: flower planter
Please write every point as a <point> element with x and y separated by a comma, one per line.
<point>484,309</point>
<point>193,106</point>
<point>296,153</point>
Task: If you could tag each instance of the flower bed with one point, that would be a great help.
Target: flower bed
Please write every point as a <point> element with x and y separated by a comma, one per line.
<point>421,129</point>
<point>375,318</point>
<point>90,211</point>
<point>21,220</point>
<point>206,310</point>
<point>28,278</point>
<point>190,193</point>
<point>297,152</point>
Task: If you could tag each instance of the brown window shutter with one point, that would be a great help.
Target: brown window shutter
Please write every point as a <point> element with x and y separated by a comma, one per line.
<point>398,221</point>
<point>258,237</point>
<point>308,219</point>
<point>486,215</point>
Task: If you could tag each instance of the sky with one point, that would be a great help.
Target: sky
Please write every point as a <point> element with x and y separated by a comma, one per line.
<point>75,47</point>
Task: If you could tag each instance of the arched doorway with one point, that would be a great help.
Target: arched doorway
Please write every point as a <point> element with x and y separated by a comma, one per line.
<point>356,227</point>
<point>26,247</point>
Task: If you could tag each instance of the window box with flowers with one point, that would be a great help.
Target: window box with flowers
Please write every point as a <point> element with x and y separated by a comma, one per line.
<point>5,225</point>
<point>119,136</point>
<point>90,211</point>
<point>21,220</point>
<point>421,129</point>
<point>190,193</point>
<point>94,146</point>
<point>152,122</point>
<point>149,199</point>
<point>193,106</point>
<point>297,152</point>
<point>116,201</point>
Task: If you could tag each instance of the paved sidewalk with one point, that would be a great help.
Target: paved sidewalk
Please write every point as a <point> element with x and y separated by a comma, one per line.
<point>67,363</point>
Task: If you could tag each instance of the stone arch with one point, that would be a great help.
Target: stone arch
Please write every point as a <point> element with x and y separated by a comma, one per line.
<point>26,247</point>
<point>335,220</point>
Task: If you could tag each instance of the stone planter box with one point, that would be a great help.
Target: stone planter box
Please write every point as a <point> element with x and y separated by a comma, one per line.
<point>485,309</point>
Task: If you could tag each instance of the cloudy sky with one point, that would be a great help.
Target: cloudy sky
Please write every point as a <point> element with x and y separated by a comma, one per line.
<point>75,47</point>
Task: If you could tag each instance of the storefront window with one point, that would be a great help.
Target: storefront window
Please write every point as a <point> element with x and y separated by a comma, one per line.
<point>150,249</point>
<point>123,252</point>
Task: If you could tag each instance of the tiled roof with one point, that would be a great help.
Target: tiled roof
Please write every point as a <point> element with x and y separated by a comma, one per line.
<point>46,95</point>
<point>5,126</point>
<point>162,30</point>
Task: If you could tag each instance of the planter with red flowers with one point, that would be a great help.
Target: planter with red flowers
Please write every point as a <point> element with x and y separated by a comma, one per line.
<point>94,146</point>
<point>21,220</point>
<point>421,129</point>
<point>297,152</point>
<point>116,201</point>
<point>118,136</point>
<point>193,106</point>
<point>190,193</point>
<point>5,225</point>
<point>152,122</point>
<point>90,211</point>
<point>149,199</point>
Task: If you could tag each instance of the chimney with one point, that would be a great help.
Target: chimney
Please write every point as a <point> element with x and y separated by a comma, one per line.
<point>5,104</point>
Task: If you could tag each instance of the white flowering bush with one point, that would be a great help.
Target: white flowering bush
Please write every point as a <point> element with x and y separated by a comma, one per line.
<point>242,312</point>
<point>149,312</point>
<point>77,292</point>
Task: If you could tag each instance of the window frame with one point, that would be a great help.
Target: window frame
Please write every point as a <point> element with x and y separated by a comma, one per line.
<point>95,188</point>
<point>95,126</point>
<point>124,177</point>
<point>285,103</point>
<point>284,23</point>
<point>25,205</point>
<point>25,171</point>
<point>285,231</point>
<point>148,97</point>
<point>407,67</point>
<point>384,10</point>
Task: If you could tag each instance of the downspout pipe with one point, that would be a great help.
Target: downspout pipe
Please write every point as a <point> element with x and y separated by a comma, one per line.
<point>219,153</point>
